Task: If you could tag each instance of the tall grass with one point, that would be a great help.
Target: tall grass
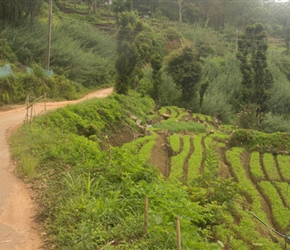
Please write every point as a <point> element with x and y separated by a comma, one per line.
<point>78,50</point>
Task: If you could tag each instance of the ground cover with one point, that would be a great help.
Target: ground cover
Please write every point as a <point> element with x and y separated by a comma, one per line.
<point>75,165</point>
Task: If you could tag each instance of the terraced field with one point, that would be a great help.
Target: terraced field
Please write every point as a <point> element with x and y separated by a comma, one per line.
<point>178,146</point>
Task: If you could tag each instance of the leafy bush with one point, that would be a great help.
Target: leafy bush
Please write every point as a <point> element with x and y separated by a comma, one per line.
<point>260,141</point>
<point>15,89</point>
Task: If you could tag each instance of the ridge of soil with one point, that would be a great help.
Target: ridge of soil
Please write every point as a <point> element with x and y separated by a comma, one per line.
<point>18,227</point>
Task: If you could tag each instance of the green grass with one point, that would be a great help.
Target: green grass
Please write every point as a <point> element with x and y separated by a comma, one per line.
<point>176,127</point>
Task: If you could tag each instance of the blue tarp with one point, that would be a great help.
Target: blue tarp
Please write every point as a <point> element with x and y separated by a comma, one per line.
<point>6,70</point>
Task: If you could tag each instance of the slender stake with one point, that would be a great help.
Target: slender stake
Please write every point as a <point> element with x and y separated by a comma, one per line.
<point>178,233</point>
<point>146,216</point>
<point>31,113</point>
<point>45,103</point>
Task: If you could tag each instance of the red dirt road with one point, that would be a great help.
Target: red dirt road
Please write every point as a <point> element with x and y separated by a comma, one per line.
<point>18,231</point>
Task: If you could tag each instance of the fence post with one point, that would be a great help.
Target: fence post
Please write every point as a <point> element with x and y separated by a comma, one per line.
<point>178,233</point>
<point>31,113</point>
<point>145,215</point>
<point>45,103</point>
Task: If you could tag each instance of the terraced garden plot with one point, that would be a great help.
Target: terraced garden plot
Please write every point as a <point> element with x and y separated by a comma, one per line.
<point>284,166</point>
<point>270,167</point>
<point>284,191</point>
<point>280,212</point>
<point>177,161</point>
<point>137,144</point>
<point>175,142</point>
<point>194,162</point>
<point>246,185</point>
<point>255,166</point>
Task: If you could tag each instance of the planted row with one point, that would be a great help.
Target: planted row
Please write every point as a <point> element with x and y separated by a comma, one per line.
<point>194,162</point>
<point>270,167</point>
<point>255,166</point>
<point>281,214</point>
<point>177,161</point>
<point>245,184</point>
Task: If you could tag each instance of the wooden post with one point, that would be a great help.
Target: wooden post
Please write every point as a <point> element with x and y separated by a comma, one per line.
<point>145,215</point>
<point>31,113</point>
<point>45,103</point>
<point>178,233</point>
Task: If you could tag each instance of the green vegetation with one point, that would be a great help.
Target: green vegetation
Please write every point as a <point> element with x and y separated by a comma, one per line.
<point>194,162</point>
<point>177,161</point>
<point>283,163</point>
<point>283,187</point>
<point>176,127</point>
<point>270,167</point>
<point>255,166</point>
<point>234,156</point>
<point>174,141</point>
<point>166,56</point>
<point>281,214</point>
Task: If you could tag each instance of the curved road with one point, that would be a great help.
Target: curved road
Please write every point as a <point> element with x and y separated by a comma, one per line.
<point>18,230</point>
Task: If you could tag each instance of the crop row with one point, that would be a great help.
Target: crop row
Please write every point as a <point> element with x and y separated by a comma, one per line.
<point>244,235</point>
<point>194,162</point>
<point>284,189</point>
<point>245,184</point>
<point>177,161</point>
<point>174,141</point>
<point>255,166</point>
<point>284,166</point>
<point>270,166</point>
<point>280,213</point>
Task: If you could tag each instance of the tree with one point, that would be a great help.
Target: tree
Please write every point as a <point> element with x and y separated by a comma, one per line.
<point>185,69</point>
<point>127,53</point>
<point>156,63</point>
<point>257,80</point>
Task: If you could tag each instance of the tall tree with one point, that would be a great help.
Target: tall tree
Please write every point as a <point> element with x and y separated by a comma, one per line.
<point>185,69</point>
<point>257,80</point>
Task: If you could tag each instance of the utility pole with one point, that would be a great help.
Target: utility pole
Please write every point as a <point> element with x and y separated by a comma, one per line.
<point>49,36</point>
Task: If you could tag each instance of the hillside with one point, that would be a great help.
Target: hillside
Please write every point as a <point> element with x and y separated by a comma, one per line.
<point>198,122</point>
<point>99,163</point>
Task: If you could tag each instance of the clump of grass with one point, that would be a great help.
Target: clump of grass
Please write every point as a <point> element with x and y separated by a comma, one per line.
<point>176,127</point>
<point>27,165</point>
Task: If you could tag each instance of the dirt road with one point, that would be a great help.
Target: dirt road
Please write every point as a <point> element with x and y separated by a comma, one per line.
<point>18,229</point>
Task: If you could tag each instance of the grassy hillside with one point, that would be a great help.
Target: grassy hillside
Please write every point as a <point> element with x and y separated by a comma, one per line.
<point>92,164</point>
